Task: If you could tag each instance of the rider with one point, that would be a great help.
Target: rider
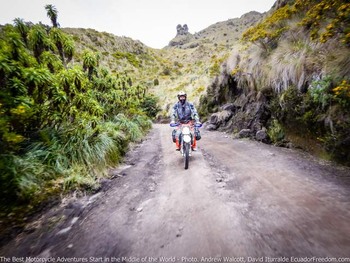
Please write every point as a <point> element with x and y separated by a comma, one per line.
<point>185,112</point>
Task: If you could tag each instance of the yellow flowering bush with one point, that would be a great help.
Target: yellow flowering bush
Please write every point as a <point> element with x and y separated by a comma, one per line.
<point>342,93</point>
<point>336,14</point>
<point>325,19</point>
<point>270,29</point>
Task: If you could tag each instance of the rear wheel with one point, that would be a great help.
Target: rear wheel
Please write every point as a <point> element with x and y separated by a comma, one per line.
<point>186,154</point>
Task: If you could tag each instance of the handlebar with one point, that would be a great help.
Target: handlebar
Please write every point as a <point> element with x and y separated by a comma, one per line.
<point>197,125</point>
<point>174,124</point>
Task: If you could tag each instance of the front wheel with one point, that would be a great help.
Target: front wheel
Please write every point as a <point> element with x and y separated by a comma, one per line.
<point>186,154</point>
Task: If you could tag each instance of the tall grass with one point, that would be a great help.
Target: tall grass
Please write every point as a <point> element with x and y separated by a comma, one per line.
<point>22,177</point>
<point>130,128</point>
<point>296,62</point>
<point>289,67</point>
<point>68,158</point>
<point>337,60</point>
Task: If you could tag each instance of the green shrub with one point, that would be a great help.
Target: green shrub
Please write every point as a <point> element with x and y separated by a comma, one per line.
<point>166,71</point>
<point>320,91</point>
<point>275,132</point>
<point>150,106</point>
<point>131,58</point>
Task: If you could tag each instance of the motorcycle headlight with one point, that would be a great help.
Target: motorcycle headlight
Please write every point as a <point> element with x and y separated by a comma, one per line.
<point>186,130</point>
<point>187,138</point>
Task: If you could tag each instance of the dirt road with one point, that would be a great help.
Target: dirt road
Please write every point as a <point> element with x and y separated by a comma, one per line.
<point>239,201</point>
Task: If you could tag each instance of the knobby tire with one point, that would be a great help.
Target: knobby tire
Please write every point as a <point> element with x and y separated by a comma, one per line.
<point>187,154</point>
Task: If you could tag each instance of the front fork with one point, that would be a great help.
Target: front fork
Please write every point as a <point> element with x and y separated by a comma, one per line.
<point>182,143</point>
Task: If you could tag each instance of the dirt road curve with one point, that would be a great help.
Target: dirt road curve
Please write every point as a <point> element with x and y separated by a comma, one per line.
<point>239,199</point>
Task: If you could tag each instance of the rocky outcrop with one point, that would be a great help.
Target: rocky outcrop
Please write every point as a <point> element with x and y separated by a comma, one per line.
<point>180,40</point>
<point>281,3</point>
<point>182,30</point>
<point>246,115</point>
<point>183,38</point>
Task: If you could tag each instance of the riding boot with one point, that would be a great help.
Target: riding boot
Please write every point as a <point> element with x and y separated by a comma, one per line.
<point>177,144</point>
<point>194,145</point>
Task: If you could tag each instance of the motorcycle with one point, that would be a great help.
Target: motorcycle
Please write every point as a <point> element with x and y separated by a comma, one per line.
<point>188,136</point>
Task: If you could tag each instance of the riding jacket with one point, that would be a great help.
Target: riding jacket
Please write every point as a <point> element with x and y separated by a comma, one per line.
<point>184,112</point>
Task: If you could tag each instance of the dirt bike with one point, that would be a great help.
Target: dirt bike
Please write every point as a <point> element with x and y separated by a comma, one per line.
<point>187,139</point>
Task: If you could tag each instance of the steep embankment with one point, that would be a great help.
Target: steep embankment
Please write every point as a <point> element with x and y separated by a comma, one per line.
<point>289,80</point>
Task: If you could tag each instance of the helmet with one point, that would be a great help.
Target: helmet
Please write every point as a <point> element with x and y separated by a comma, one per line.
<point>181,93</point>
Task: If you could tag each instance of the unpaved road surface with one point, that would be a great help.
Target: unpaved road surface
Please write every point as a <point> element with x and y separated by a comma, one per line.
<point>239,201</point>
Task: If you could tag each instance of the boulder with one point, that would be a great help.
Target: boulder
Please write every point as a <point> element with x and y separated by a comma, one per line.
<point>261,135</point>
<point>214,119</point>
<point>211,127</point>
<point>220,118</point>
<point>245,133</point>
<point>225,115</point>
<point>228,107</point>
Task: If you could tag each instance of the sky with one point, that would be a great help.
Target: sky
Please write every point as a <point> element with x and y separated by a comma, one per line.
<point>153,22</point>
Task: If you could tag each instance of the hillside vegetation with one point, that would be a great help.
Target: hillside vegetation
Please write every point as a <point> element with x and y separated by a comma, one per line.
<point>289,77</point>
<point>182,65</point>
<point>196,58</point>
<point>64,117</point>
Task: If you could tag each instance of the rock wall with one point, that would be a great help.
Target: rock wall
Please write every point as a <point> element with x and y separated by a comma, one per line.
<point>235,110</point>
<point>290,119</point>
